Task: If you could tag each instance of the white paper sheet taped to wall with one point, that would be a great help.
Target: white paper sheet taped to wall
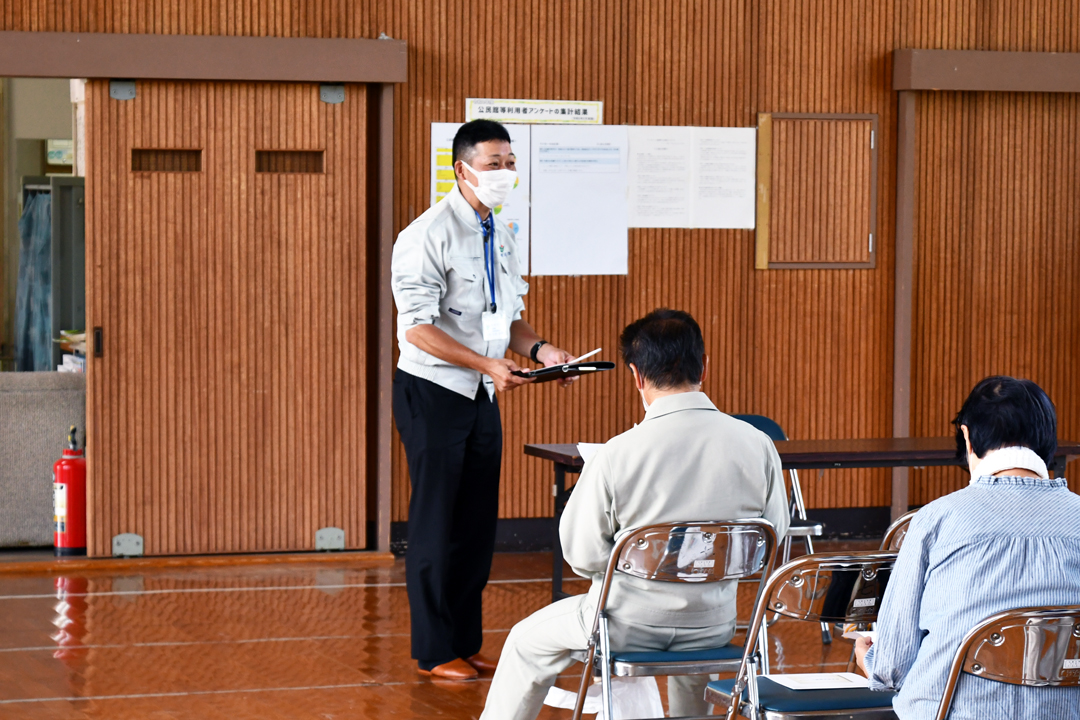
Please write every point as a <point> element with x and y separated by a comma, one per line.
<point>579,221</point>
<point>692,177</point>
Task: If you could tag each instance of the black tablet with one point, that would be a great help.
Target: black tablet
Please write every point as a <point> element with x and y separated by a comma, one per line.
<point>556,372</point>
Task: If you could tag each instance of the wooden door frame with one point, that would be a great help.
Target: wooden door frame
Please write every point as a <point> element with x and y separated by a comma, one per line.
<point>377,63</point>
<point>917,71</point>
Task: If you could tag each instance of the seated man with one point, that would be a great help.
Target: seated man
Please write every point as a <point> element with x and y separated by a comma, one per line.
<point>1009,540</point>
<point>685,461</point>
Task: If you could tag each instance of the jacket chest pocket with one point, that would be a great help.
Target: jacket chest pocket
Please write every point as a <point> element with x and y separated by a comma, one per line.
<point>464,288</point>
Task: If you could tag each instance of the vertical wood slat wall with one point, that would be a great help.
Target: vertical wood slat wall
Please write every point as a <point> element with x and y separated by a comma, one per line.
<point>821,190</point>
<point>228,409</point>
<point>811,348</point>
<point>997,268</point>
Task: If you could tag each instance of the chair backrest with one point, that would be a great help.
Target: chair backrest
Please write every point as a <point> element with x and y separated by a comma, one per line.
<point>697,552</point>
<point>766,425</point>
<point>706,551</point>
<point>831,587</point>
<point>824,587</point>
<point>1036,647</point>
<point>895,534</point>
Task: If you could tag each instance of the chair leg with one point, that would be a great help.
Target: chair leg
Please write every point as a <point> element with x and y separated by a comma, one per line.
<point>752,690</point>
<point>826,634</point>
<point>763,647</point>
<point>605,667</point>
<point>586,680</point>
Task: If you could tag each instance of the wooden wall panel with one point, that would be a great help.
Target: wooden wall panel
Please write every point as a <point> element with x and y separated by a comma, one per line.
<point>997,268</point>
<point>228,410</point>
<point>821,190</point>
<point>811,348</point>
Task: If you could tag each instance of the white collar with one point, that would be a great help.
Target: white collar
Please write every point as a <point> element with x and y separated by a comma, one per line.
<point>1006,458</point>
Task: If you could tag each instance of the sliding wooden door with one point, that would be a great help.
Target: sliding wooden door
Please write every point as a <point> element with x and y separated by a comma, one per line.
<point>226,258</point>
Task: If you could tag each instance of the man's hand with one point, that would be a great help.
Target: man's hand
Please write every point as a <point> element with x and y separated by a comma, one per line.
<point>551,355</point>
<point>862,645</point>
<point>498,369</point>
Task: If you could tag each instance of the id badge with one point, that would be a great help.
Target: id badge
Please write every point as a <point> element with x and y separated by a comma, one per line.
<point>496,327</point>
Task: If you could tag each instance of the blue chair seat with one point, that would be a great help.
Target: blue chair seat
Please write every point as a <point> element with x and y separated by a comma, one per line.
<point>779,699</point>
<point>727,652</point>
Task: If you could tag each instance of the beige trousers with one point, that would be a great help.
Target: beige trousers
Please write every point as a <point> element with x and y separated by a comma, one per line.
<point>538,649</point>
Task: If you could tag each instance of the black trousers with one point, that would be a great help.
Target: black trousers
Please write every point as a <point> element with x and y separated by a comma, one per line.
<point>453,445</point>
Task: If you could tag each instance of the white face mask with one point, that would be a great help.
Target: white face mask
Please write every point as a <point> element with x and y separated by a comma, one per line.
<point>644,402</point>
<point>492,186</point>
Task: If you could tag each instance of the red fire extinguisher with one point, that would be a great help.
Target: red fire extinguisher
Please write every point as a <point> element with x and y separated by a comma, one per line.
<point>69,500</point>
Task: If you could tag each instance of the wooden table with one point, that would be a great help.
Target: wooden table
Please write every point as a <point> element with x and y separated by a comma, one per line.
<point>794,455</point>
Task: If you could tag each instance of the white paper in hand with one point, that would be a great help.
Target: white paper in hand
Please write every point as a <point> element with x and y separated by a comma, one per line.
<point>856,634</point>
<point>587,450</point>
<point>631,697</point>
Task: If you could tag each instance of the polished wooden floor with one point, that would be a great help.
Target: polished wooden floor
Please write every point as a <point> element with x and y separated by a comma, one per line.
<point>323,640</point>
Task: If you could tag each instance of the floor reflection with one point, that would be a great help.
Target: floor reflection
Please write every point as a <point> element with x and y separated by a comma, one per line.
<point>297,641</point>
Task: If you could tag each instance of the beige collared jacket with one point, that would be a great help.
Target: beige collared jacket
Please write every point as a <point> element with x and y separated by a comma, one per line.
<point>685,461</point>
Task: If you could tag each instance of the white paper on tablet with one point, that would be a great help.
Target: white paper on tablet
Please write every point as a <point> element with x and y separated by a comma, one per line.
<point>856,634</point>
<point>587,450</point>
<point>820,681</point>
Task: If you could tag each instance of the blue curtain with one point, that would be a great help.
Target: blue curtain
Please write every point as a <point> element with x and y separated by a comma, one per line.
<point>33,293</point>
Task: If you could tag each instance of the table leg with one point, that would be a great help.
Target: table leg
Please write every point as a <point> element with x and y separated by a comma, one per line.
<point>559,491</point>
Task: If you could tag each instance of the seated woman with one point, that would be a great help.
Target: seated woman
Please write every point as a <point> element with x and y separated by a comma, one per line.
<point>1009,540</point>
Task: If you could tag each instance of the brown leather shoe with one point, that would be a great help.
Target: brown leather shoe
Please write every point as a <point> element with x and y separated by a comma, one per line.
<point>482,663</point>
<point>456,669</point>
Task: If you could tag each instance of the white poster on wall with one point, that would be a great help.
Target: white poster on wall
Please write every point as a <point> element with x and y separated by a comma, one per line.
<point>687,177</point>
<point>579,218</point>
<point>724,176</point>
<point>660,162</point>
<point>515,211</point>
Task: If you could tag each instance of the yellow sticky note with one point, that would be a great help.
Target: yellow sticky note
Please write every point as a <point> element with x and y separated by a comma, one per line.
<point>444,175</point>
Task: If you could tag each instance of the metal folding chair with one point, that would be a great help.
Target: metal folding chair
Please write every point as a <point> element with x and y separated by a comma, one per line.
<point>695,552</point>
<point>828,587</point>
<point>1036,647</point>
<point>895,534</point>
<point>800,526</point>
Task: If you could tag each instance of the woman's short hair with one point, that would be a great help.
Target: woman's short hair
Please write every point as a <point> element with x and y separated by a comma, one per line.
<point>666,347</point>
<point>1004,411</point>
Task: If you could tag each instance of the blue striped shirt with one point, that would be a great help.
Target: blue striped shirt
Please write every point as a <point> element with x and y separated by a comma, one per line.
<point>999,544</point>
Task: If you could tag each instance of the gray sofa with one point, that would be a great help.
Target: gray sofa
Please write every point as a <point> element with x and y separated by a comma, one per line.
<point>36,410</point>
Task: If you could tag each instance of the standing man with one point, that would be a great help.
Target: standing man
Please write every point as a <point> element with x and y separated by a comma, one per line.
<point>458,290</point>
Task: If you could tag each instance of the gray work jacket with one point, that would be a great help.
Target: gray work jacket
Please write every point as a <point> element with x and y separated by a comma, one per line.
<point>437,276</point>
<point>686,461</point>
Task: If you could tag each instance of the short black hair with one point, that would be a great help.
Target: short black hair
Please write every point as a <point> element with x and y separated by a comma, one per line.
<point>1004,411</point>
<point>666,347</point>
<point>472,134</point>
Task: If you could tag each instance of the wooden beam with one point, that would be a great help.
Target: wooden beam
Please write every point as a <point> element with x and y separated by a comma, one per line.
<point>903,298</point>
<point>201,57</point>
<point>764,191</point>
<point>386,315</point>
<point>978,70</point>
